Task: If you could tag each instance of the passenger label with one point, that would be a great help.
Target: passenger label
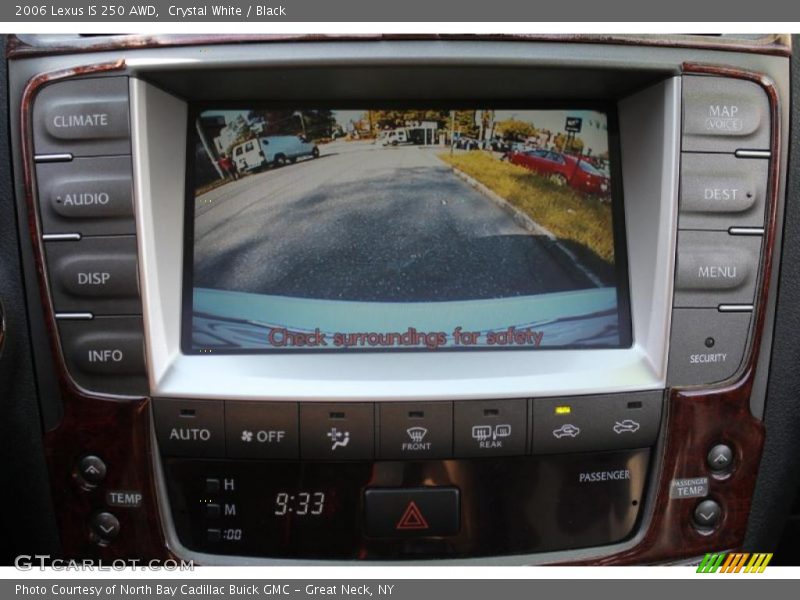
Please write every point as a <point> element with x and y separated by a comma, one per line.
<point>696,487</point>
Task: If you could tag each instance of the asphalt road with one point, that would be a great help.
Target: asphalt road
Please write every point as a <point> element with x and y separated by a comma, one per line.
<point>362,222</point>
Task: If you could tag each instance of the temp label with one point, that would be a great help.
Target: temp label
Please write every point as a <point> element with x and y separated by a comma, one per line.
<point>696,487</point>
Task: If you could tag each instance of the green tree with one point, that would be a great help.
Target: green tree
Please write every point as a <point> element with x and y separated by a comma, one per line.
<point>515,129</point>
<point>575,147</point>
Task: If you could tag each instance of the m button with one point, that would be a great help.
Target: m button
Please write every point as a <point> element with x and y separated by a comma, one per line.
<point>411,512</point>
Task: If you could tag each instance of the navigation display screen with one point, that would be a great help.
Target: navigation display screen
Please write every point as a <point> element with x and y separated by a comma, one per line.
<point>369,229</point>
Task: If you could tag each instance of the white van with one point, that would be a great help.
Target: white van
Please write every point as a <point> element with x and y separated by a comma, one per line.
<point>274,150</point>
<point>396,136</point>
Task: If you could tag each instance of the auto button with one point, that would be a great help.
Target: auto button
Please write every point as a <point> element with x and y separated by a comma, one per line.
<point>190,427</point>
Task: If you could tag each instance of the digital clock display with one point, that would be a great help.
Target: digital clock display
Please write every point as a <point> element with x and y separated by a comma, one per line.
<point>299,503</point>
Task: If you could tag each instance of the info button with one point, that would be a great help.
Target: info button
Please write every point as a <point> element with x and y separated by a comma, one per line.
<point>106,354</point>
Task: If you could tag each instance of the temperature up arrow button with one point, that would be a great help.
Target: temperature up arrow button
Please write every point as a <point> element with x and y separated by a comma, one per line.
<point>720,458</point>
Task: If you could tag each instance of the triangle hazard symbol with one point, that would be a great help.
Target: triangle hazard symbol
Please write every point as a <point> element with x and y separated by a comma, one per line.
<point>412,518</point>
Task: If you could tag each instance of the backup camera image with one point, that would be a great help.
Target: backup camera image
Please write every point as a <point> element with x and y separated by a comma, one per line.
<point>375,229</point>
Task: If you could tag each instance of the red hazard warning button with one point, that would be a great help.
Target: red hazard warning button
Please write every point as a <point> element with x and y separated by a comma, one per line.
<point>411,512</point>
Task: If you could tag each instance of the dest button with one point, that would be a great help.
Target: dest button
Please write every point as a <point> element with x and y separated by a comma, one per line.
<point>411,512</point>
<point>261,429</point>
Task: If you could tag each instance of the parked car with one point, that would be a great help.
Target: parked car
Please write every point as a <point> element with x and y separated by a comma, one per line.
<point>563,169</point>
<point>499,145</point>
<point>466,143</point>
<point>395,137</point>
<point>275,150</point>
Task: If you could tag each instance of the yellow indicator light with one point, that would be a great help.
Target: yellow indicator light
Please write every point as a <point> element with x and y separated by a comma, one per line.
<point>563,410</point>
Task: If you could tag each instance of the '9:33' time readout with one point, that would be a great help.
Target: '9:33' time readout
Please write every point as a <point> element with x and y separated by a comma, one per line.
<point>300,504</point>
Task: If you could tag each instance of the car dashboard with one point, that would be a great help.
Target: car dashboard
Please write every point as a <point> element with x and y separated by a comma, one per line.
<point>399,299</point>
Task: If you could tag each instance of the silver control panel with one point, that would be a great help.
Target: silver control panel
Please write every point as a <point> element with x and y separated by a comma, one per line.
<point>82,146</point>
<point>723,185</point>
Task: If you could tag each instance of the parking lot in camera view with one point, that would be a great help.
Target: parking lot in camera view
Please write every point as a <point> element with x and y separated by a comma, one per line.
<point>370,223</point>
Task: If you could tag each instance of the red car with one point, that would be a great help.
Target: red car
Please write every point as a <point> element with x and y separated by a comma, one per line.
<point>563,169</point>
